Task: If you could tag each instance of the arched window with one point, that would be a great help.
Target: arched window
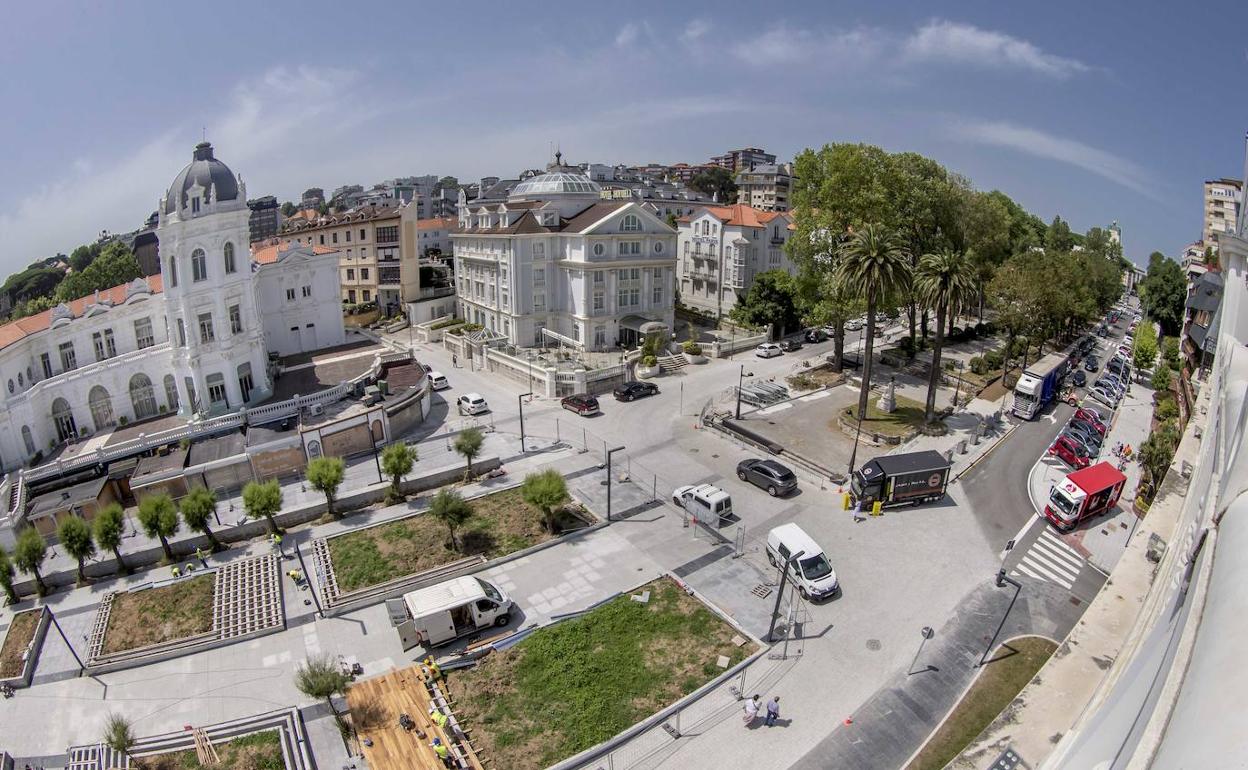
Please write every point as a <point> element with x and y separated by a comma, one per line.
<point>229,258</point>
<point>199,265</point>
<point>171,392</point>
<point>63,418</point>
<point>142,397</point>
<point>101,405</point>
<point>245,385</point>
<point>630,224</point>
<point>314,449</point>
<point>28,440</point>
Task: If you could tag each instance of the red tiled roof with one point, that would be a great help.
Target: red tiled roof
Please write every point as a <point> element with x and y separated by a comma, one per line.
<point>267,255</point>
<point>443,223</point>
<point>737,214</point>
<point>22,328</point>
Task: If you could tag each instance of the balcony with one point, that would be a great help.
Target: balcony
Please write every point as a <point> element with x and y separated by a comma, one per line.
<point>389,276</point>
<point>434,292</point>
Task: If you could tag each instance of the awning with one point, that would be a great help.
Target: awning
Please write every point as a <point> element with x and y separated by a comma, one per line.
<point>642,325</point>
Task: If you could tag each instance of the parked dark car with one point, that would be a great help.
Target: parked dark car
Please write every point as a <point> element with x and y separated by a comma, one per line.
<point>769,475</point>
<point>788,346</point>
<point>1079,378</point>
<point>1091,415</point>
<point>633,390</point>
<point>1086,436</point>
<point>815,335</point>
<point>1091,363</point>
<point>1090,425</point>
<point>581,403</point>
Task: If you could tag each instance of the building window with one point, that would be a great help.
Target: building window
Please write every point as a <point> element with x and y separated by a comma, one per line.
<point>307,291</point>
<point>630,224</point>
<point>350,273</point>
<point>205,328</point>
<point>199,265</point>
<point>539,251</point>
<point>171,392</point>
<point>143,336</point>
<point>334,237</point>
<point>236,320</point>
<point>173,271</point>
<point>348,236</point>
<point>599,277</point>
<point>229,258</point>
<point>364,276</point>
<point>195,205</point>
<point>290,295</point>
<point>101,406</point>
<point>539,302</point>
<point>539,276</point>
<point>598,249</point>
<point>656,294</point>
<point>63,418</point>
<point>367,295</point>
<point>181,334</point>
<point>244,380</point>
<point>576,332</point>
<point>388,234</point>
<point>629,247</point>
<point>142,397</point>
<point>28,440</point>
<point>216,389</point>
<point>600,336</point>
<point>322,237</point>
<point>105,345</point>
<point>362,235</point>
<point>658,247</point>
<point>192,398</point>
<point>599,301</point>
<point>69,361</point>
<point>46,361</point>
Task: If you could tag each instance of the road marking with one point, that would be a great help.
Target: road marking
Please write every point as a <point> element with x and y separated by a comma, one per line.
<point>1051,560</point>
<point>1049,537</point>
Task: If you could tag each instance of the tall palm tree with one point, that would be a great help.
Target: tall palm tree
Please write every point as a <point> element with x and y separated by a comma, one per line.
<point>944,282</point>
<point>873,266</point>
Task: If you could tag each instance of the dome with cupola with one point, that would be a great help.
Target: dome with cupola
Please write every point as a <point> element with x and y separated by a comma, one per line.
<point>204,171</point>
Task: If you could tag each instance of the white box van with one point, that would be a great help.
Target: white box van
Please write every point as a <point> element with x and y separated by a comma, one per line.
<point>437,381</point>
<point>812,573</point>
<point>446,611</point>
<point>707,503</point>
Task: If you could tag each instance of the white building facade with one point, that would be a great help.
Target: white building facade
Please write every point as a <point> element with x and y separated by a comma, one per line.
<point>723,248</point>
<point>555,263</point>
<point>298,290</point>
<point>1221,208</point>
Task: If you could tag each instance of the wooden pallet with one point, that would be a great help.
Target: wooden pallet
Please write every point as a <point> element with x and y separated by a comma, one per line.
<point>204,750</point>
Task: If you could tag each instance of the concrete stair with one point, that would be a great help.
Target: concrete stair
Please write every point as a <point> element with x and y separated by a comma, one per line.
<point>671,364</point>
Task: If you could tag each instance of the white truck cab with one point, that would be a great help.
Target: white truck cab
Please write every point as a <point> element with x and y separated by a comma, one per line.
<point>709,504</point>
<point>444,612</point>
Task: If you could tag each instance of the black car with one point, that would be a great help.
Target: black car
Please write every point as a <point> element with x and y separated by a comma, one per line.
<point>631,390</point>
<point>1091,363</point>
<point>788,346</point>
<point>769,475</point>
<point>1079,378</point>
<point>815,335</point>
<point>581,403</point>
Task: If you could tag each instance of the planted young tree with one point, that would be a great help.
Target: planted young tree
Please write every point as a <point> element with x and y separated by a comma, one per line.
<point>29,556</point>
<point>75,534</point>
<point>325,475</point>
<point>159,518</point>
<point>119,735</point>
<point>6,578</point>
<point>262,500</point>
<point>198,511</point>
<point>109,525</point>
<point>944,281</point>
<point>468,443</point>
<point>545,490</point>
<point>396,462</point>
<point>1161,378</point>
<point>450,508</point>
<point>320,676</point>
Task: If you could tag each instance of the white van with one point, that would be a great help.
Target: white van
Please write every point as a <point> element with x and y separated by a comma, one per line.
<point>446,611</point>
<point>437,381</point>
<point>812,573</point>
<point>708,503</point>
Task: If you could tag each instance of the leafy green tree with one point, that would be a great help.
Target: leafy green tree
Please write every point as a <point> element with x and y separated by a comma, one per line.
<point>34,281</point>
<point>325,475</point>
<point>716,182</point>
<point>873,266</point>
<point>288,209</point>
<point>1165,291</point>
<point>263,500</point>
<point>448,183</point>
<point>199,509</point>
<point>825,303</point>
<point>29,554</point>
<point>320,676</point>
<point>396,462</point>
<point>450,508</point>
<point>1144,351</point>
<point>75,534</point>
<point>6,578</point>
<point>115,265</point>
<point>1058,237</point>
<point>985,221</point>
<point>81,257</point>
<point>468,443</point>
<point>545,490</point>
<point>109,525</point>
<point>119,735</point>
<point>159,518</point>
<point>1157,452</point>
<point>1161,378</point>
<point>1012,296</point>
<point>944,281</point>
<point>771,300</point>
<point>1170,351</point>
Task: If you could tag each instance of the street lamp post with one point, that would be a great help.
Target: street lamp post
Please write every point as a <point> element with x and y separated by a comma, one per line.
<point>784,576</point>
<point>609,453</point>
<point>521,402</point>
<point>927,633</point>
<point>958,390</point>
<point>1002,579</point>
<point>741,378</point>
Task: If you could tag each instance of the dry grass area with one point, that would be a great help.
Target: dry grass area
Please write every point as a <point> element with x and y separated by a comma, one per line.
<point>258,751</point>
<point>501,523</point>
<point>818,377</point>
<point>906,418</point>
<point>176,611</point>
<point>573,685</point>
<point>20,632</point>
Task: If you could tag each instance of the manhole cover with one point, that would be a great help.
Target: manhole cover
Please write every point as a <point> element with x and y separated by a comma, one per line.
<point>761,591</point>
<point>874,645</point>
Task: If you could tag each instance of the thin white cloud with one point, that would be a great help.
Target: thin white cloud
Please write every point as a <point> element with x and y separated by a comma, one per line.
<point>1063,150</point>
<point>695,30</point>
<point>783,45</point>
<point>627,35</point>
<point>953,42</point>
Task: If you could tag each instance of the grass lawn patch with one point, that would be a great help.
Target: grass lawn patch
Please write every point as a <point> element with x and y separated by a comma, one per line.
<point>20,632</point>
<point>501,523</point>
<point>157,615</point>
<point>998,684</point>
<point>258,751</point>
<point>907,417</point>
<point>575,684</point>
<point>818,377</point>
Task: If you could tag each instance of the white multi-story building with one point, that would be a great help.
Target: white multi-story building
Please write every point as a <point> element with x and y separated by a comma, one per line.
<point>722,249</point>
<point>190,339</point>
<point>555,262</point>
<point>766,187</point>
<point>1221,210</point>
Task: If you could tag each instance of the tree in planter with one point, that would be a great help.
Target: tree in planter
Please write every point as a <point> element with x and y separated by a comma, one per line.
<point>320,676</point>
<point>468,443</point>
<point>1161,378</point>
<point>6,578</point>
<point>159,518</point>
<point>944,281</point>
<point>109,525</point>
<point>396,462</point>
<point>325,475</point>
<point>75,534</point>
<point>262,500</point>
<point>1156,453</point>
<point>546,491</point>
<point>119,735</point>
<point>29,555</point>
<point>198,509</point>
<point>452,510</point>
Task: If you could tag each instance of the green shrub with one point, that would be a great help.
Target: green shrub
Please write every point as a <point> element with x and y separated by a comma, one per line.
<point>1167,409</point>
<point>994,360</point>
<point>949,365</point>
<point>447,322</point>
<point>979,365</point>
<point>649,361</point>
<point>692,348</point>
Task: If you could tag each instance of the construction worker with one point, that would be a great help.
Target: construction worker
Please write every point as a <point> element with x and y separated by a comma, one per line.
<point>177,573</point>
<point>442,751</point>
<point>438,717</point>
<point>435,671</point>
<point>277,544</point>
<point>202,555</point>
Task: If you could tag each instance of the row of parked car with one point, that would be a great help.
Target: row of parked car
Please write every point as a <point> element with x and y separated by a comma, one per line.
<point>1081,439</point>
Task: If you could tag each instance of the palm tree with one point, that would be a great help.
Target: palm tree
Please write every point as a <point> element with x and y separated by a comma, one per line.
<point>545,490</point>
<point>944,281</point>
<point>874,267</point>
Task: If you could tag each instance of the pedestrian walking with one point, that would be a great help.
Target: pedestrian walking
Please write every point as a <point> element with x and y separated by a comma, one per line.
<point>858,510</point>
<point>277,545</point>
<point>202,555</point>
<point>751,711</point>
<point>454,361</point>
<point>177,573</point>
<point>773,711</point>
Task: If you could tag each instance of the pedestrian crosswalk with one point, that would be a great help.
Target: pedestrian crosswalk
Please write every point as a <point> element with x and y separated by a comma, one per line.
<point>1051,560</point>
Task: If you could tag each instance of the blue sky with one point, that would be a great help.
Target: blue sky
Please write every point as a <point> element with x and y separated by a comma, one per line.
<point>1097,111</point>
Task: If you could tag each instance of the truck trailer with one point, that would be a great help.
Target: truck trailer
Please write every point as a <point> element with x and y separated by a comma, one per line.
<point>912,477</point>
<point>1039,385</point>
<point>1083,495</point>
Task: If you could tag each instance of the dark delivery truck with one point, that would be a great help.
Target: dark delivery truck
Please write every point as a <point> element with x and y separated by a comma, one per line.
<point>913,477</point>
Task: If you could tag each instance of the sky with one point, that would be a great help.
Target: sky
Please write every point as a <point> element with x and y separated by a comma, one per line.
<point>1095,111</point>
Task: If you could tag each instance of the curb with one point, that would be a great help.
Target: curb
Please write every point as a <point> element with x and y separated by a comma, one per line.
<point>988,451</point>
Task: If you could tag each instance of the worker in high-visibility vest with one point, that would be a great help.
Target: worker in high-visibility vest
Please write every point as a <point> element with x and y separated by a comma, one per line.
<point>435,671</point>
<point>442,751</point>
<point>438,717</point>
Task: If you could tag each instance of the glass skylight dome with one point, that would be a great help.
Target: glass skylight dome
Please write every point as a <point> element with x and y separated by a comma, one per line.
<point>556,183</point>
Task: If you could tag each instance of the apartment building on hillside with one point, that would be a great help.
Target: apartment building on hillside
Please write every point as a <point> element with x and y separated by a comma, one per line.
<point>1221,209</point>
<point>766,187</point>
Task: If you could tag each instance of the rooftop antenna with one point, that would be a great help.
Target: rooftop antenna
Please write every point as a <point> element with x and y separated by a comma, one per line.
<point>203,133</point>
